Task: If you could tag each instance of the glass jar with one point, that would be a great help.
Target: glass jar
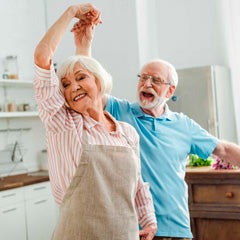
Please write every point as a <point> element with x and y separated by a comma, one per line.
<point>12,67</point>
<point>11,106</point>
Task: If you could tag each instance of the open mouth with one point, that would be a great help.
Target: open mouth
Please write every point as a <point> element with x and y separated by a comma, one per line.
<point>146,96</point>
<point>79,97</point>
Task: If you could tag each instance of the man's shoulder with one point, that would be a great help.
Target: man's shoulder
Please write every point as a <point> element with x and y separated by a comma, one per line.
<point>111,100</point>
<point>178,115</point>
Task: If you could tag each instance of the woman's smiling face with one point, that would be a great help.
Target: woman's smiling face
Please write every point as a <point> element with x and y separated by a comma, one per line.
<point>81,89</point>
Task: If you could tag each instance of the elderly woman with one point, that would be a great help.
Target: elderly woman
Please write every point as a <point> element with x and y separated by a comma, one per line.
<point>94,164</point>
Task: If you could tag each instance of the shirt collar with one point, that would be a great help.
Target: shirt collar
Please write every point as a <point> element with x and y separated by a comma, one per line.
<point>138,112</point>
<point>90,123</point>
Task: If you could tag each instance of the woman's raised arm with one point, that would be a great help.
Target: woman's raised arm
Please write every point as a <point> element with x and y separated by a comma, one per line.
<point>49,43</point>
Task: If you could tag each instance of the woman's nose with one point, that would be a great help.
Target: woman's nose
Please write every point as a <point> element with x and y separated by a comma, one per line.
<point>75,87</point>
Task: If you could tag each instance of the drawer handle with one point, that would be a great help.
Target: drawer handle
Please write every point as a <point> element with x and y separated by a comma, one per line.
<point>9,195</point>
<point>39,202</point>
<point>39,188</point>
<point>229,194</point>
<point>10,210</point>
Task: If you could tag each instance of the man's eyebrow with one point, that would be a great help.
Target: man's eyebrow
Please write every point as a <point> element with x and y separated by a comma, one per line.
<point>154,75</point>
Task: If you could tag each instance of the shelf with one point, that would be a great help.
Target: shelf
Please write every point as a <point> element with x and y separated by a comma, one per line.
<point>15,83</point>
<point>18,114</point>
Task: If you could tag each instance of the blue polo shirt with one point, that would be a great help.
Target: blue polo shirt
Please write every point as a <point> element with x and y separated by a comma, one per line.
<point>165,143</point>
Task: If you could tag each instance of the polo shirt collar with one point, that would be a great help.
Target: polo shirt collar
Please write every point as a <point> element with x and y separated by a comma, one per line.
<point>138,112</point>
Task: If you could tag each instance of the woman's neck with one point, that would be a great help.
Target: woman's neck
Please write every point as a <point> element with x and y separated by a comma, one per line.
<point>98,115</point>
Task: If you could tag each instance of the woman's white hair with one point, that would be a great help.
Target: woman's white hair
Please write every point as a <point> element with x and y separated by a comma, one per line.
<point>89,64</point>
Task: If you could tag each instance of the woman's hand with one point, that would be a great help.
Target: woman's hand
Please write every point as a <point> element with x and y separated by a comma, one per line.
<point>148,232</point>
<point>87,12</point>
<point>49,43</point>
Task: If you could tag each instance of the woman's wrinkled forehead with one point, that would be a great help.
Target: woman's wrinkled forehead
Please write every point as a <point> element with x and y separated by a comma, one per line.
<point>76,69</point>
<point>158,69</point>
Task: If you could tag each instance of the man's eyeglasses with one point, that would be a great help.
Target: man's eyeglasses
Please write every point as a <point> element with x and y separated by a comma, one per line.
<point>154,80</point>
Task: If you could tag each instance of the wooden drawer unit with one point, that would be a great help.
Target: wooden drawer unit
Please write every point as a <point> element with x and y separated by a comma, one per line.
<point>216,193</point>
<point>214,203</point>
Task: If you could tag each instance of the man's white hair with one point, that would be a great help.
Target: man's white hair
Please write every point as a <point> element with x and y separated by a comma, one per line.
<point>172,76</point>
<point>90,64</point>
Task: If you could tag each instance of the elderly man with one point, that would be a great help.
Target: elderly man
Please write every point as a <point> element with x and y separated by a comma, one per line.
<point>166,139</point>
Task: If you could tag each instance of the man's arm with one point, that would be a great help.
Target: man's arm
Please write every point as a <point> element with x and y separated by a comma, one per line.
<point>83,36</point>
<point>230,152</point>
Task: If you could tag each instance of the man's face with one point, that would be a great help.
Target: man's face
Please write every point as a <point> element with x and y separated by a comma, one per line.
<point>149,93</point>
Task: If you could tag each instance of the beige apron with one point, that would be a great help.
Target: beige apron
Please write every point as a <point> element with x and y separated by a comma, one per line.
<point>100,201</point>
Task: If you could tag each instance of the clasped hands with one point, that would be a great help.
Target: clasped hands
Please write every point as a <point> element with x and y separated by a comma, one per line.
<point>89,16</point>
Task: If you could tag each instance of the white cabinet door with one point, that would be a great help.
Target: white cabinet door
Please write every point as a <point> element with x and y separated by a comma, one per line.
<point>12,222</point>
<point>41,218</point>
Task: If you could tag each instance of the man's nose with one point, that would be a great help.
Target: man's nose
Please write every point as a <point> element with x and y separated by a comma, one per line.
<point>148,82</point>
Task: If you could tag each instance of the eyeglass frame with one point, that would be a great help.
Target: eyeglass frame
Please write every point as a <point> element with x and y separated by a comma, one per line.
<point>154,80</point>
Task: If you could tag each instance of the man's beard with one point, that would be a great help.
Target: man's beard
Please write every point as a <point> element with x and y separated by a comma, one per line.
<point>156,103</point>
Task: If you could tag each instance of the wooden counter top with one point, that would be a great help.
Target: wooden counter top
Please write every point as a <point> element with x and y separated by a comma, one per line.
<point>196,172</point>
<point>21,180</point>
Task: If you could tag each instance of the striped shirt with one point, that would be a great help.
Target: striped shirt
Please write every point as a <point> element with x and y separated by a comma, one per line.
<point>64,128</point>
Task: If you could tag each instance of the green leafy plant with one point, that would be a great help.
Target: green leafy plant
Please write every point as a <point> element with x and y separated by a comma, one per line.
<point>196,161</point>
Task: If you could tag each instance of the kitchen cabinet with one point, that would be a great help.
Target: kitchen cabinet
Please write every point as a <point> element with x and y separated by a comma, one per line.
<point>40,211</point>
<point>28,213</point>
<point>214,203</point>
<point>12,215</point>
<point>41,217</point>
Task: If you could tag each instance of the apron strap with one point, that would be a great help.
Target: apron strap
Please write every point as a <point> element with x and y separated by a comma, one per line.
<point>130,142</point>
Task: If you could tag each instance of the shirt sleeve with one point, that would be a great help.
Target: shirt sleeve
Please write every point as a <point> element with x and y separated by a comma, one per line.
<point>202,142</point>
<point>143,198</point>
<point>116,106</point>
<point>50,99</point>
<point>144,204</point>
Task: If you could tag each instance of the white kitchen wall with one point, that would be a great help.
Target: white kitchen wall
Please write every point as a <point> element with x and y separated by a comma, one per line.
<point>190,32</point>
<point>231,24</point>
<point>115,43</point>
<point>22,24</point>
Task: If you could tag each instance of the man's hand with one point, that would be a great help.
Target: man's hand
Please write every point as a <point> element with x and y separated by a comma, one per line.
<point>83,35</point>
<point>230,152</point>
<point>148,232</point>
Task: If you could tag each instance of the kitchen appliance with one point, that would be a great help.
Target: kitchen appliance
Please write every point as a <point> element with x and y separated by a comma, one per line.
<point>205,95</point>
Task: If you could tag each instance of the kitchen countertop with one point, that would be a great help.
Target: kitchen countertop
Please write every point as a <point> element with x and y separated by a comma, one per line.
<point>196,172</point>
<point>22,180</point>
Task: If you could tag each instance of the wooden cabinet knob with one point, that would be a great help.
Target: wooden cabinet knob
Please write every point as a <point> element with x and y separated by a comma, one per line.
<point>229,194</point>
